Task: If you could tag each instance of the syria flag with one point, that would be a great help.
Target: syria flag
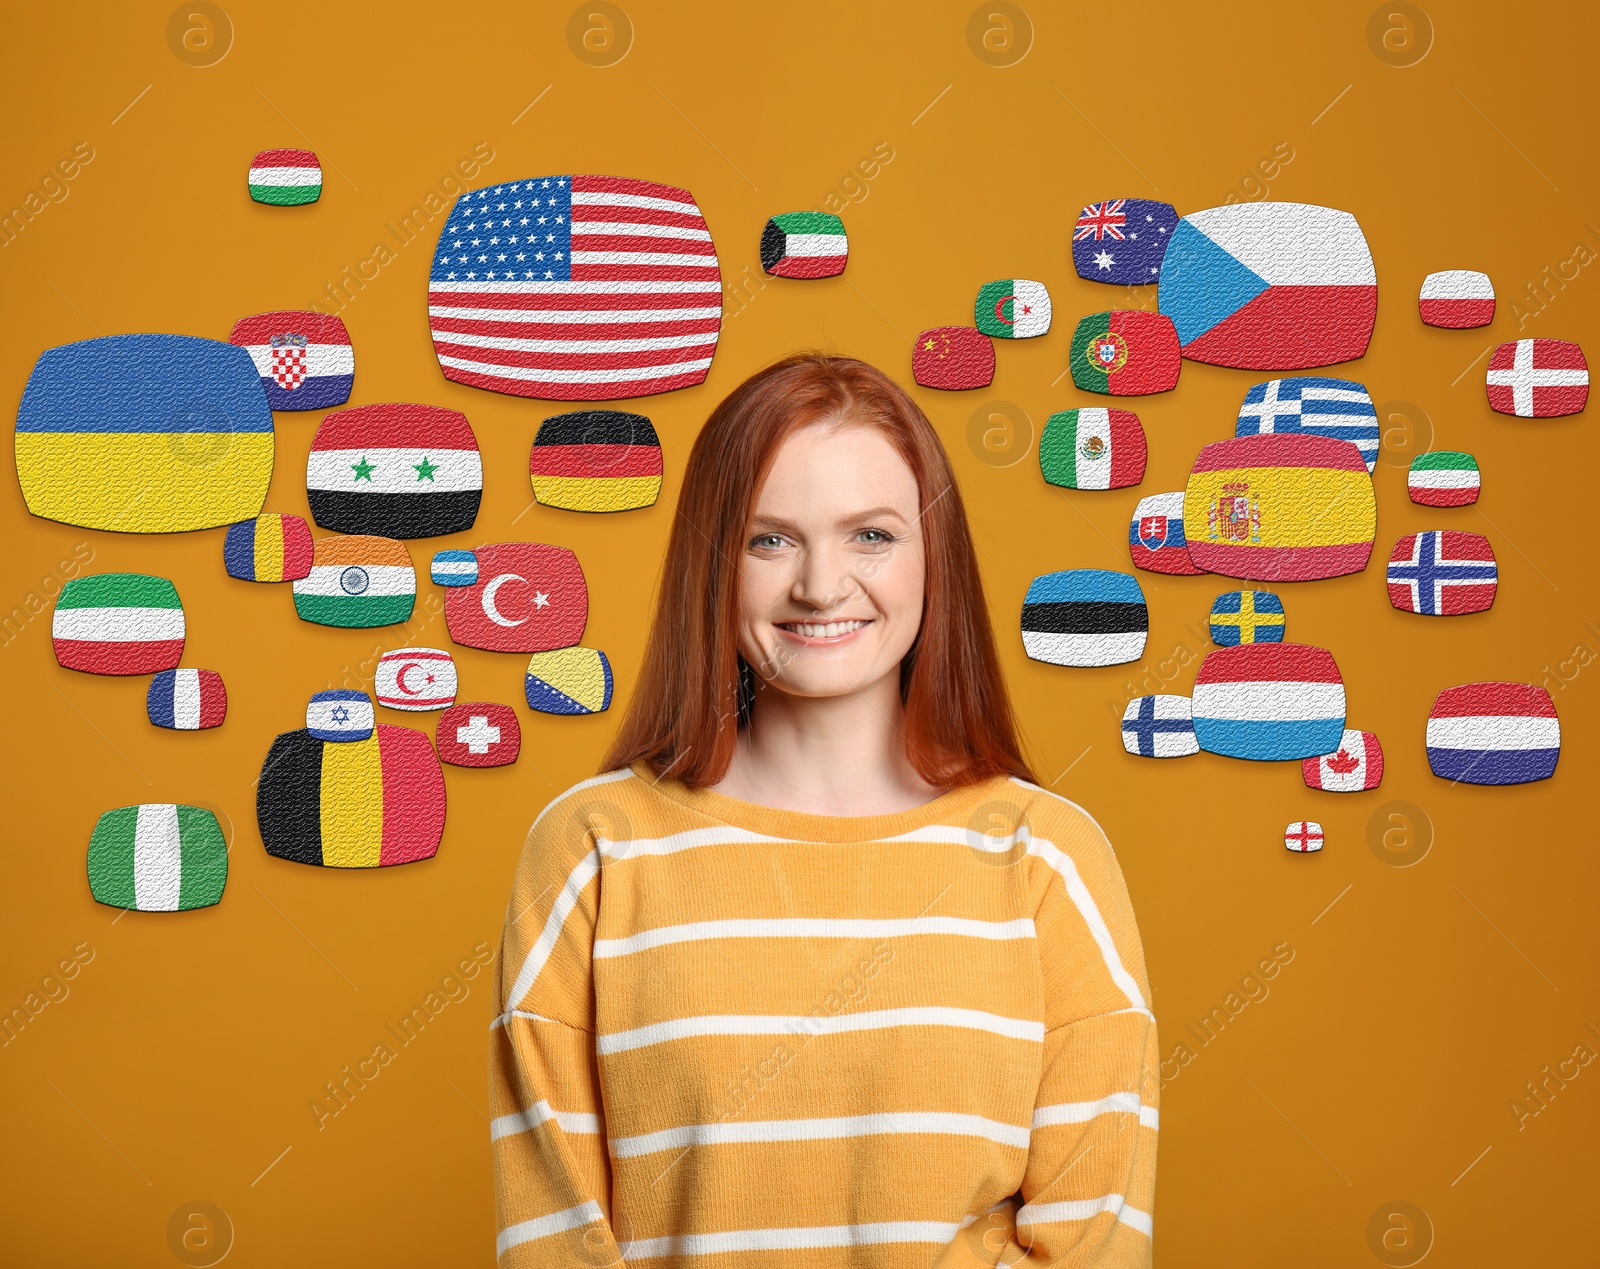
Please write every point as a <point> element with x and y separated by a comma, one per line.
<point>1356,765</point>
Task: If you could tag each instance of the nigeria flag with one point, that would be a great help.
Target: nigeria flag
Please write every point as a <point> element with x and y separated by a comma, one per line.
<point>158,858</point>
<point>1013,308</point>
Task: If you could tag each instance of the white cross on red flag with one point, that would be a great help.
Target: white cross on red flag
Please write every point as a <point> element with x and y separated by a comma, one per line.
<point>1538,378</point>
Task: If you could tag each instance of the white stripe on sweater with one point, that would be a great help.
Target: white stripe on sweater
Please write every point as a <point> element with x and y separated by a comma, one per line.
<point>1083,1112</point>
<point>808,1024</point>
<point>812,928</point>
<point>543,1226</point>
<point>542,1113</point>
<point>926,1122</point>
<point>1086,1209</point>
<point>792,1239</point>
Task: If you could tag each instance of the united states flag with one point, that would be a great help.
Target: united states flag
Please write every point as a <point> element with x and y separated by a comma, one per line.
<point>576,288</point>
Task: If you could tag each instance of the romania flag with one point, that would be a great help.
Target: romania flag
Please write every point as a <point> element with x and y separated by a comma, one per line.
<point>144,434</point>
<point>351,804</point>
<point>270,548</point>
<point>596,460</point>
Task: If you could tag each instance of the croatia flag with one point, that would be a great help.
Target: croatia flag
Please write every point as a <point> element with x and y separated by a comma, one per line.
<point>1537,378</point>
<point>304,359</point>
<point>1270,286</point>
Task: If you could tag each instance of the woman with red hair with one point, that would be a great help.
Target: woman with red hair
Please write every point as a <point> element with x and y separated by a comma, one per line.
<point>815,974</point>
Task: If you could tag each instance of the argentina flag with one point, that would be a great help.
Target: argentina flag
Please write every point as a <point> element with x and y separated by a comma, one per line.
<point>1324,407</point>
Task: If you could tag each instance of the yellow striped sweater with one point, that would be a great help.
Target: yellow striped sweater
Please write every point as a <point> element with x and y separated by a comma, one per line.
<point>733,1037</point>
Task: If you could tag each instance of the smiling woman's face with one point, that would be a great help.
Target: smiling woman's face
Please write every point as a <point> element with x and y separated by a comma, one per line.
<point>832,588</point>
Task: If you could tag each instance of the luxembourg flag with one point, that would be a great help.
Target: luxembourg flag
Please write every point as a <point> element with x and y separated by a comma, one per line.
<point>1270,286</point>
<point>305,360</point>
<point>1271,702</point>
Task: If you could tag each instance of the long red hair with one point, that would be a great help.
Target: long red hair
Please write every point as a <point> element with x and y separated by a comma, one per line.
<point>695,690</point>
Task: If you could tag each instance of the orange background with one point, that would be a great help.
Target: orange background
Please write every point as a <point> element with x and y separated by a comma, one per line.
<point>1380,1065</point>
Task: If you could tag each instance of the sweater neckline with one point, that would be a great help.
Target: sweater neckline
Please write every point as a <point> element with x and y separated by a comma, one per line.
<point>948,808</point>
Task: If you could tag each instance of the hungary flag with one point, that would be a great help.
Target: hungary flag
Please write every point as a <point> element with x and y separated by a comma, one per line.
<point>1013,308</point>
<point>158,858</point>
<point>1092,449</point>
<point>118,623</point>
<point>1445,478</point>
<point>285,178</point>
<point>1125,352</point>
<point>804,245</point>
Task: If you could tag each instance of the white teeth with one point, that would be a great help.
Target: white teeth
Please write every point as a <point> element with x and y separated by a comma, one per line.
<point>830,630</point>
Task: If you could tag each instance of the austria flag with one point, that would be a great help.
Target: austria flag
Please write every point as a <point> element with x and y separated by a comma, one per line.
<point>1270,286</point>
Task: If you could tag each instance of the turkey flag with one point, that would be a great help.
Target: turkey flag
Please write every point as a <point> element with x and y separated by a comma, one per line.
<point>528,598</point>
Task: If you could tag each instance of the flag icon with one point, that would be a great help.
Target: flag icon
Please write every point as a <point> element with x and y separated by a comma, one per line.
<point>1247,616</point>
<point>1336,408</point>
<point>954,358</point>
<point>1355,766</point>
<point>270,548</point>
<point>1123,241</point>
<point>339,714</point>
<point>1303,836</point>
<point>1493,733</point>
<point>158,857</point>
<point>454,568</point>
<point>598,288</point>
<point>357,582</point>
<point>569,681</point>
<point>1270,286</point>
<point>1125,353</point>
<point>1092,448</point>
<point>144,434</point>
<point>285,178</point>
<point>596,460</point>
<point>118,623</point>
<point>1014,308</point>
<point>304,359</point>
<point>399,471</point>
<point>187,700</point>
<point>1155,536</point>
<point>1285,507</point>
<point>1443,573</point>
<point>1270,702</point>
<point>478,734</point>
<point>1457,299</point>
<point>1444,478</point>
<point>1084,616</point>
<point>355,804</point>
<point>1159,727</point>
<point>415,679</point>
<point>528,598</point>
<point>1537,378</point>
<point>804,245</point>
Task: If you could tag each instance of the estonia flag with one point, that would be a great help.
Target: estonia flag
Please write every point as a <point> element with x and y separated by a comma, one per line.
<point>1085,616</point>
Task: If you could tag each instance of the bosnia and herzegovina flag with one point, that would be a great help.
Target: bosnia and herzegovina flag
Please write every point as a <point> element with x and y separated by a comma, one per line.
<point>351,804</point>
<point>144,434</point>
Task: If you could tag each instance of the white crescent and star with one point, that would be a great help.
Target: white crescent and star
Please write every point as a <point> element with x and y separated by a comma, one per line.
<point>540,600</point>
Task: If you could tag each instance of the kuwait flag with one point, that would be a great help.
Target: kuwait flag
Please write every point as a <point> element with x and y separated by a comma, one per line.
<point>352,804</point>
<point>187,700</point>
<point>596,460</point>
<point>1457,299</point>
<point>399,471</point>
<point>804,245</point>
<point>285,178</point>
<point>1271,702</point>
<point>1125,353</point>
<point>1357,764</point>
<point>158,858</point>
<point>357,582</point>
<point>1537,378</point>
<point>118,623</point>
<point>1270,286</point>
<point>1444,478</point>
<point>270,548</point>
<point>304,359</point>
<point>1493,733</point>
<point>1014,308</point>
<point>1085,616</point>
<point>1092,449</point>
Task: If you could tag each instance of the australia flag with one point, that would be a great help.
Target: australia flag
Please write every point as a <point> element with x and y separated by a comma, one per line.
<point>1123,241</point>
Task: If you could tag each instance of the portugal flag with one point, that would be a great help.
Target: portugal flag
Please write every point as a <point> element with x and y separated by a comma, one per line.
<point>1125,353</point>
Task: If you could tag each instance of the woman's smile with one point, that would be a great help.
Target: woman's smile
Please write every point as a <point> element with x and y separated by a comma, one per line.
<point>813,633</point>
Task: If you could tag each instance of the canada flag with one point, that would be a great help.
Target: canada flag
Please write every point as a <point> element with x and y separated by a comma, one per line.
<point>1355,765</point>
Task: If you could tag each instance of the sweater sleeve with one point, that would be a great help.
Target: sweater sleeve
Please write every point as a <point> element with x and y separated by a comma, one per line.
<point>552,1171</point>
<point>1089,1186</point>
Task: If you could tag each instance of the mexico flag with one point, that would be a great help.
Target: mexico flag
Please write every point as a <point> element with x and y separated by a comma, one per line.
<point>285,178</point>
<point>1444,478</point>
<point>1092,449</point>
<point>118,623</point>
<point>1014,308</point>
<point>158,858</point>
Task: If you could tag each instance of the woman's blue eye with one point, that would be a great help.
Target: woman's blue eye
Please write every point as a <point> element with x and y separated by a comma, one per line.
<point>874,536</point>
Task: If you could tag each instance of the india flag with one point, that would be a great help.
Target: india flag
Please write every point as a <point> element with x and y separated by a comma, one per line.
<point>1445,478</point>
<point>804,245</point>
<point>1012,308</point>
<point>158,858</point>
<point>285,178</point>
<point>355,582</point>
<point>118,623</point>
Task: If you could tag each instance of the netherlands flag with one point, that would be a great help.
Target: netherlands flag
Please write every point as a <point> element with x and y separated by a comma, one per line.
<point>304,359</point>
<point>1269,701</point>
<point>1493,733</point>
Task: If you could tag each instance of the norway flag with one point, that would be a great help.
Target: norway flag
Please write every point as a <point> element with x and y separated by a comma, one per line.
<point>1270,286</point>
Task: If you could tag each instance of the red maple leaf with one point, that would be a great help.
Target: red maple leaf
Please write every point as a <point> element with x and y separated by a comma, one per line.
<point>1342,763</point>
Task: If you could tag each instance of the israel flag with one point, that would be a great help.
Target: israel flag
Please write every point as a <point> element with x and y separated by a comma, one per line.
<point>1323,407</point>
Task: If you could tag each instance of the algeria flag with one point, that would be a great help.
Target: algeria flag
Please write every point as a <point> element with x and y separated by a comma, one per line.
<point>1013,308</point>
<point>158,858</point>
<point>1092,449</point>
<point>1444,478</point>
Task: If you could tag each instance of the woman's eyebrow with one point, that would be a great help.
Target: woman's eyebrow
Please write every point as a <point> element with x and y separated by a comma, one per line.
<point>853,517</point>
